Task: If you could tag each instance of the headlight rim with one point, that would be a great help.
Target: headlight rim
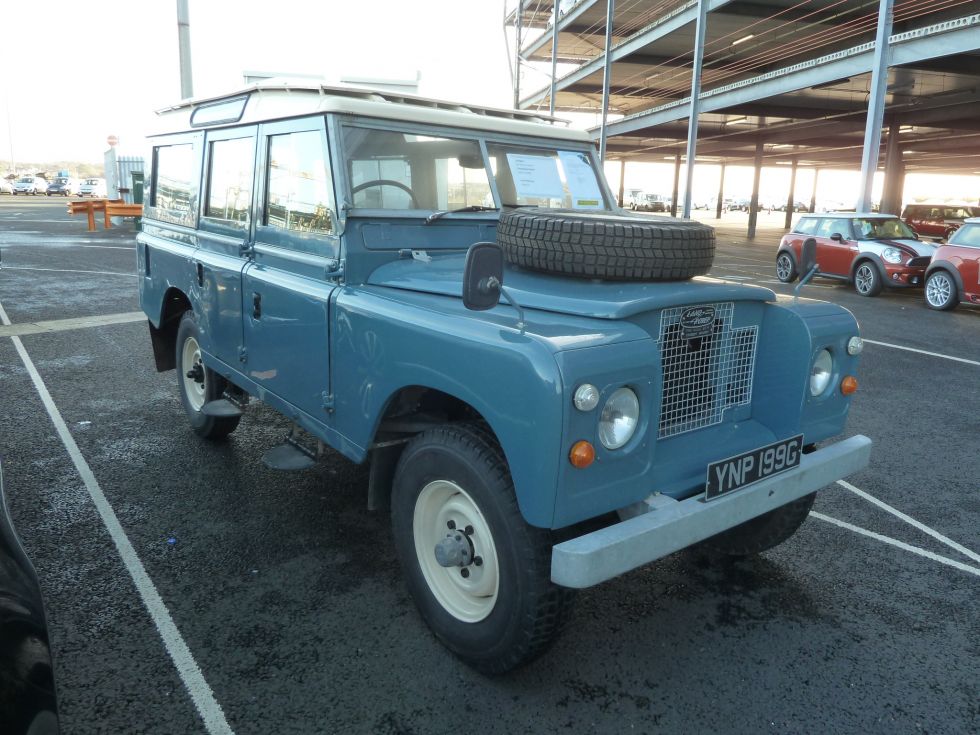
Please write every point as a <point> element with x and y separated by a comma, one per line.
<point>827,374</point>
<point>635,423</point>
<point>892,256</point>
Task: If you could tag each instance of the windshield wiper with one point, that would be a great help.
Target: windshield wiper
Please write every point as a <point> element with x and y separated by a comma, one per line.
<point>472,208</point>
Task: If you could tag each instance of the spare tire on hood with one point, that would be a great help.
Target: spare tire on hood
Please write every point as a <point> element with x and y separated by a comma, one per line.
<point>619,246</point>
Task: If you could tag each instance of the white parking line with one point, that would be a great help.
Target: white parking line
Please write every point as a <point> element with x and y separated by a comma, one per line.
<point>911,521</point>
<point>190,673</point>
<point>63,270</point>
<point>922,352</point>
<point>63,325</point>
<point>900,544</point>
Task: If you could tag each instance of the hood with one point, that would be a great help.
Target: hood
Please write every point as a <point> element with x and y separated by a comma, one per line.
<point>600,299</point>
<point>919,247</point>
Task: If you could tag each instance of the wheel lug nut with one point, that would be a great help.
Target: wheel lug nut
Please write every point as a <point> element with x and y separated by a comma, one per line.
<point>468,530</point>
<point>478,560</point>
<point>465,572</point>
<point>451,525</point>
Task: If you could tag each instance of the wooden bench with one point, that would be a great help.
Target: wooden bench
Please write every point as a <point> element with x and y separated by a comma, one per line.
<point>110,208</point>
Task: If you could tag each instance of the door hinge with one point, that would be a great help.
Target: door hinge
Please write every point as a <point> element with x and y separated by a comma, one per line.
<point>334,269</point>
<point>327,401</point>
<point>242,354</point>
<point>246,249</point>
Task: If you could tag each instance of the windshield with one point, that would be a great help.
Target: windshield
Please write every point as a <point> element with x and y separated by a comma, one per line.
<point>26,180</point>
<point>409,171</point>
<point>92,182</point>
<point>61,181</point>
<point>882,229</point>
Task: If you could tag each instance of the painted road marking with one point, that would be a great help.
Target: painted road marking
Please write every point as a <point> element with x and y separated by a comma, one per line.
<point>911,521</point>
<point>922,352</point>
<point>900,544</point>
<point>64,325</point>
<point>63,270</point>
<point>190,673</point>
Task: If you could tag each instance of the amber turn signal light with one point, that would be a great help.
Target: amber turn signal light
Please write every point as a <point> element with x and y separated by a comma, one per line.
<point>582,454</point>
<point>849,385</point>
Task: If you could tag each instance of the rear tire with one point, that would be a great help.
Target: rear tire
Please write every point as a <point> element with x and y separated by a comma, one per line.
<point>786,267</point>
<point>762,533</point>
<point>503,612</point>
<point>203,386</point>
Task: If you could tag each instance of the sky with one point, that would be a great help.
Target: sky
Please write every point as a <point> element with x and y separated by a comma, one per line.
<point>77,72</point>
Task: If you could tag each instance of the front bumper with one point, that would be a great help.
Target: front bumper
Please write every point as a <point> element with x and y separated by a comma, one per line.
<point>670,525</point>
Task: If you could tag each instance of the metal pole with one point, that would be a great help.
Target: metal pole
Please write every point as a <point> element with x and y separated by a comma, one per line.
<point>622,180</point>
<point>813,194</point>
<point>721,193</point>
<point>754,201</point>
<point>184,49</point>
<point>692,123</point>
<point>791,199</point>
<point>610,6</point>
<point>10,130</point>
<point>891,195</point>
<point>677,179</point>
<point>517,53</point>
<point>554,63</point>
<point>876,106</point>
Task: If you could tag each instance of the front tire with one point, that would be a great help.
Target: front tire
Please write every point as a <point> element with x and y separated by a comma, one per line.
<point>785,268</point>
<point>764,532</point>
<point>867,280</point>
<point>941,291</point>
<point>503,611</point>
<point>198,384</point>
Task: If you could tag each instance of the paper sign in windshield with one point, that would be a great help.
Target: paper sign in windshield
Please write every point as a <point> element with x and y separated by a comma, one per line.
<point>535,176</point>
<point>581,180</point>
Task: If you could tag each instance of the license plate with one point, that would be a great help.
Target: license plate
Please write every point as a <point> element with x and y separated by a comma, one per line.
<point>736,472</point>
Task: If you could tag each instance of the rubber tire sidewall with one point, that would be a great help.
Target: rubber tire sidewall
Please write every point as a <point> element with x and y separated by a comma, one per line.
<point>793,274</point>
<point>491,643</point>
<point>208,427</point>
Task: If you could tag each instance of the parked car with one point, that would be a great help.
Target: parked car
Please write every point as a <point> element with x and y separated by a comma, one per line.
<point>93,188</point>
<point>28,701</point>
<point>63,186</point>
<point>653,203</point>
<point>362,299</point>
<point>937,220</point>
<point>954,273</point>
<point>30,185</point>
<point>868,250</point>
<point>6,186</point>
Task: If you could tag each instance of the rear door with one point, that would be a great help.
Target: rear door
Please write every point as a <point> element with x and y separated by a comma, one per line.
<point>224,238</point>
<point>286,287</point>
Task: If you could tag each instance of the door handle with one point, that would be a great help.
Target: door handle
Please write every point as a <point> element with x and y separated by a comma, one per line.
<point>256,305</point>
<point>200,275</point>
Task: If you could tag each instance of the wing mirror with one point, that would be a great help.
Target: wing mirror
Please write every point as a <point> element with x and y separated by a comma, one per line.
<point>837,237</point>
<point>483,276</point>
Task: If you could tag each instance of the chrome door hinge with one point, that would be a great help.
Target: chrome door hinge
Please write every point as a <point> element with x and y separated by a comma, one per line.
<point>327,401</point>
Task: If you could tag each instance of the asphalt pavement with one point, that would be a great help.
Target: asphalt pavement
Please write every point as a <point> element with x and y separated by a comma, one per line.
<point>285,605</point>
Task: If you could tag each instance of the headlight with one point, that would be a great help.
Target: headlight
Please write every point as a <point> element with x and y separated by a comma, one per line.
<point>820,372</point>
<point>892,255</point>
<point>619,418</point>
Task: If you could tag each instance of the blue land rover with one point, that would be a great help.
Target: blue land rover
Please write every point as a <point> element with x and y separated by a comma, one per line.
<point>548,389</point>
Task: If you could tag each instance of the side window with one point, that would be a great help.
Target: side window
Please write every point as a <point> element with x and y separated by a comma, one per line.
<point>806,225</point>
<point>298,192</point>
<point>229,182</point>
<point>173,182</point>
<point>828,226</point>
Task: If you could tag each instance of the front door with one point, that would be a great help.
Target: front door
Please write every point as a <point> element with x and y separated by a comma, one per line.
<point>287,285</point>
<point>835,256</point>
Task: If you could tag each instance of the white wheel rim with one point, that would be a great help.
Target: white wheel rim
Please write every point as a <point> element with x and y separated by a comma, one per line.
<point>939,290</point>
<point>470,598</point>
<point>190,358</point>
<point>783,267</point>
<point>864,278</point>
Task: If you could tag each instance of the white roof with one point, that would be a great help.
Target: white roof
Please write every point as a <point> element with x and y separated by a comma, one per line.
<point>849,214</point>
<point>273,100</point>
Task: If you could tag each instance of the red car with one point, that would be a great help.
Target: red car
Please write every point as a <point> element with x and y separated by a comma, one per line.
<point>954,273</point>
<point>868,250</point>
<point>937,220</point>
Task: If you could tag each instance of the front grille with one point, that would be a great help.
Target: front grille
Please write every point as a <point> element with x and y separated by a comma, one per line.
<point>921,261</point>
<point>704,375</point>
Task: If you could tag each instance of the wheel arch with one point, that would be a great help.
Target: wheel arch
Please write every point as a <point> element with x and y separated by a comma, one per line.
<point>945,265</point>
<point>871,258</point>
<point>164,337</point>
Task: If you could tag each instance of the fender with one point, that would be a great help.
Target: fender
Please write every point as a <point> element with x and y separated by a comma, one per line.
<point>874,259</point>
<point>947,266</point>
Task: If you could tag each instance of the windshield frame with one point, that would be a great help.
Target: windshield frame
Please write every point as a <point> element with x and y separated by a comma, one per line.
<point>480,136</point>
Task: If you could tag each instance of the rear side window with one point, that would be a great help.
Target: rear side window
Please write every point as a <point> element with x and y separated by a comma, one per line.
<point>968,236</point>
<point>173,189</point>
<point>230,171</point>
<point>298,194</point>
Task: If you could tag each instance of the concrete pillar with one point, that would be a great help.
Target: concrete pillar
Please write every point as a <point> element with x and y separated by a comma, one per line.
<point>692,126</point>
<point>721,193</point>
<point>554,61</point>
<point>791,199</point>
<point>606,76</point>
<point>876,105</point>
<point>813,195</point>
<point>677,182</point>
<point>622,179</point>
<point>754,201</point>
<point>517,53</point>
<point>891,194</point>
